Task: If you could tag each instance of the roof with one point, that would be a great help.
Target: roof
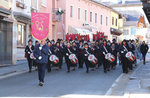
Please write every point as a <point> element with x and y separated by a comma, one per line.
<point>131,2</point>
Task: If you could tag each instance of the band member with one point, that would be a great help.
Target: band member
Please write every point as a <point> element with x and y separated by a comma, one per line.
<point>87,51</point>
<point>49,54</point>
<point>144,49</point>
<point>105,49</point>
<point>68,51</point>
<point>58,51</point>
<point>115,49</point>
<point>80,54</point>
<point>123,50</point>
<point>132,49</point>
<point>34,60</point>
<point>41,54</point>
<point>29,51</point>
<point>98,53</point>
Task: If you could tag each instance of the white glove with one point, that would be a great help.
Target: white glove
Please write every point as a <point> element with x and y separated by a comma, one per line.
<point>86,54</point>
<point>40,57</point>
<point>40,48</point>
<point>28,52</point>
<point>67,54</point>
<point>104,53</point>
<point>122,52</point>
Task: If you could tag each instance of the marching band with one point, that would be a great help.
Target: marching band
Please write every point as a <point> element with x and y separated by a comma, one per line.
<point>76,53</point>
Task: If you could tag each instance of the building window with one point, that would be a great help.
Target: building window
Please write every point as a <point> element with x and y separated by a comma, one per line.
<point>34,4</point>
<point>18,0</point>
<point>106,21</point>
<point>126,32</point>
<point>101,19</point>
<point>71,11</point>
<point>44,3</point>
<point>112,20</point>
<point>21,36</point>
<point>79,13</point>
<point>116,21</point>
<point>95,17</point>
<point>90,16</point>
<point>85,15</point>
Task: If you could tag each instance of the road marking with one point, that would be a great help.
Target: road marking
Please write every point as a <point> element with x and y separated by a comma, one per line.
<point>113,85</point>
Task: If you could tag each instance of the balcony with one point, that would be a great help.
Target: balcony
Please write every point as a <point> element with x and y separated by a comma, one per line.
<point>21,4</point>
<point>57,14</point>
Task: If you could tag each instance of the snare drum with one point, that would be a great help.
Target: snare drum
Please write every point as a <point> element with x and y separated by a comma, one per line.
<point>73,58</point>
<point>54,59</point>
<point>92,59</point>
<point>32,56</point>
<point>110,57</point>
<point>130,56</point>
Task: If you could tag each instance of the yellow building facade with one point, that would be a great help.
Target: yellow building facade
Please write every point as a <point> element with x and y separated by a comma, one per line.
<point>5,4</point>
<point>114,19</point>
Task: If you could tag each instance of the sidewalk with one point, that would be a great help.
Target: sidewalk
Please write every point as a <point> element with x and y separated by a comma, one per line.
<point>20,67</point>
<point>139,82</point>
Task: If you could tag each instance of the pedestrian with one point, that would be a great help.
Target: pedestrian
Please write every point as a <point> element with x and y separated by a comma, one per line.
<point>41,54</point>
<point>144,49</point>
<point>29,54</point>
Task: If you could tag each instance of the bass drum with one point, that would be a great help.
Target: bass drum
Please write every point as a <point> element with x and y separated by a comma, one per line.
<point>110,57</point>
<point>73,58</point>
<point>54,59</point>
<point>130,56</point>
<point>92,59</point>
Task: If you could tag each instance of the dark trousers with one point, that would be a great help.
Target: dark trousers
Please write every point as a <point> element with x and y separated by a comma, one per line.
<point>49,66</point>
<point>87,63</point>
<point>106,64</point>
<point>144,57</point>
<point>60,61</point>
<point>30,63</point>
<point>81,61</point>
<point>124,64</point>
<point>41,71</point>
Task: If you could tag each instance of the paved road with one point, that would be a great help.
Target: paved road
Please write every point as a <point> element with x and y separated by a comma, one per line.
<point>59,83</point>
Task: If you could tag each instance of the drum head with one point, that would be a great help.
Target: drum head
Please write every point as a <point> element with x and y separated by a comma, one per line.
<point>91,57</point>
<point>107,56</point>
<point>52,57</point>
<point>129,54</point>
<point>71,56</point>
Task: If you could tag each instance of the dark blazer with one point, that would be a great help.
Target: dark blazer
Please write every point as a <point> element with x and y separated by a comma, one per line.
<point>29,51</point>
<point>44,53</point>
<point>144,48</point>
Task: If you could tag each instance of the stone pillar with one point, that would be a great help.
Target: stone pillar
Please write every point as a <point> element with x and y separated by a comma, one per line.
<point>14,43</point>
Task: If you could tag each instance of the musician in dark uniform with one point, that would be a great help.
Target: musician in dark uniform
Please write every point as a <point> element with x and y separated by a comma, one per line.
<point>124,48</point>
<point>68,51</point>
<point>105,49</point>
<point>144,49</point>
<point>115,49</point>
<point>29,51</point>
<point>58,51</point>
<point>98,53</point>
<point>62,45</point>
<point>87,51</point>
<point>132,49</point>
<point>50,53</point>
<point>41,54</point>
<point>80,54</point>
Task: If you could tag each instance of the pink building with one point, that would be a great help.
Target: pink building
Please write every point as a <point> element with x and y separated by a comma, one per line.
<point>82,16</point>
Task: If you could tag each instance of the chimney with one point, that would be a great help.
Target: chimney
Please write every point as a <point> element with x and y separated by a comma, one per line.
<point>123,1</point>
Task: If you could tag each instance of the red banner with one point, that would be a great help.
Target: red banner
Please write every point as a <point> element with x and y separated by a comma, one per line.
<point>40,25</point>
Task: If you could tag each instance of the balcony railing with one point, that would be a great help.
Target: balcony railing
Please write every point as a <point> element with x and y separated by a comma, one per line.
<point>56,17</point>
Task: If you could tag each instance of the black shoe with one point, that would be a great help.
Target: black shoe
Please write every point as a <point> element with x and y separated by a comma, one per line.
<point>59,67</point>
<point>49,70</point>
<point>105,71</point>
<point>30,71</point>
<point>87,71</point>
<point>68,71</point>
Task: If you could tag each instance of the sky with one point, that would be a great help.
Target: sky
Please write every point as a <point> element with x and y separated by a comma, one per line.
<point>114,1</point>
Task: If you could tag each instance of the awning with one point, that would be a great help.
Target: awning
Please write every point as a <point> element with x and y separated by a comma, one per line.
<point>115,32</point>
<point>82,31</point>
<point>22,17</point>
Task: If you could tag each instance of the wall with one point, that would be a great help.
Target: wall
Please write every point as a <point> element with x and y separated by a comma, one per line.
<point>90,7</point>
<point>5,4</point>
<point>116,16</point>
